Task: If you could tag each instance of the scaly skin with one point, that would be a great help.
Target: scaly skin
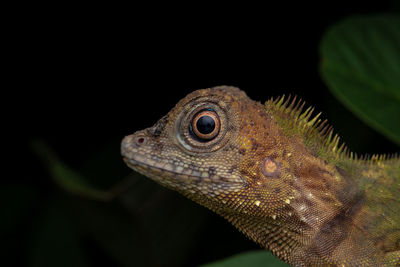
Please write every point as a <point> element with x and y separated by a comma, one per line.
<point>278,176</point>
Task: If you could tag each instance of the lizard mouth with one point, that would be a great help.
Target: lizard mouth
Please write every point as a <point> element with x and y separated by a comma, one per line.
<point>168,173</point>
<point>138,161</point>
<point>153,165</point>
<point>146,166</point>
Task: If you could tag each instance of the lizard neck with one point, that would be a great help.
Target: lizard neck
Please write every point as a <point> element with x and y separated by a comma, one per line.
<point>281,237</point>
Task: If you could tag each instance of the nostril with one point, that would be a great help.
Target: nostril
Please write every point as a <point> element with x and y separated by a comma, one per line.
<point>140,141</point>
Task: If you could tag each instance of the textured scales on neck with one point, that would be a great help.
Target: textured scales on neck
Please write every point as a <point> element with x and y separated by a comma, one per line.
<point>278,175</point>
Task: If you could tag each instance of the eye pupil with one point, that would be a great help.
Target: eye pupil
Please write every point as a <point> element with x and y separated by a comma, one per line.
<point>205,124</point>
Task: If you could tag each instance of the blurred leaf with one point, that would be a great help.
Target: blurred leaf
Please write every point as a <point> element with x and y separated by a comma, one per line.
<point>153,227</point>
<point>55,240</point>
<point>146,226</point>
<point>64,176</point>
<point>105,167</point>
<point>259,258</point>
<point>361,66</point>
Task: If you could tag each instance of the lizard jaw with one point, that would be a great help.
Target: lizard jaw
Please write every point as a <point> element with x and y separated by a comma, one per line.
<point>161,172</point>
<point>166,171</point>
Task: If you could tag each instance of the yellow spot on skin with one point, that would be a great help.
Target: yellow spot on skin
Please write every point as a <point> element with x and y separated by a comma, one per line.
<point>257,203</point>
<point>246,143</point>
<point>287,201</point>
<point>288,154</point>
<point>273,217</point>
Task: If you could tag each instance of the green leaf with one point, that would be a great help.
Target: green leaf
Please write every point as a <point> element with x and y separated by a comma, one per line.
<point>64,176</point>
<point>260,258</point>
<point>144,227</point>
<point>145,220</point>
<point>361,66</point>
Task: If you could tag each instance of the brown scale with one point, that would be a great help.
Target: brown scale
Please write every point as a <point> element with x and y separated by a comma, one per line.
<point>278,174</point>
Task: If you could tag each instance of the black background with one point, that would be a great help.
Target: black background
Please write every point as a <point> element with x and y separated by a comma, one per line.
<point>84,77</point>
<point>88,77</point>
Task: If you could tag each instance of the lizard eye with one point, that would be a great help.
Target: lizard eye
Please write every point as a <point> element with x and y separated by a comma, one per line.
<point>202,126</point>
<point>205,125</point>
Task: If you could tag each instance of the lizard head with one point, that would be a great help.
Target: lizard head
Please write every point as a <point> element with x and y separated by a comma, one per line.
<point>215,146</point>
<point>266,169</point>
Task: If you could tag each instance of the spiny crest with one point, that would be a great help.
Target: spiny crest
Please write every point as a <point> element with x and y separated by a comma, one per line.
<point>315,130</point>
<point>379,157</point>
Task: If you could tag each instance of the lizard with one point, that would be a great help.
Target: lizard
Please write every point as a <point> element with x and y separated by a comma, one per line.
<point>277,173</point>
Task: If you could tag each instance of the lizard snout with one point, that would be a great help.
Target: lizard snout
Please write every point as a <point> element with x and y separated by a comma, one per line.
<point>132,141</point>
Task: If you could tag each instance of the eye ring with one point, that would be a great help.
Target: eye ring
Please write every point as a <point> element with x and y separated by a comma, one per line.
<point>205,125</point>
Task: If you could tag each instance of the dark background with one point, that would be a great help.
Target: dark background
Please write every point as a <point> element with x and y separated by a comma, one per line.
<point>84,77</point>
